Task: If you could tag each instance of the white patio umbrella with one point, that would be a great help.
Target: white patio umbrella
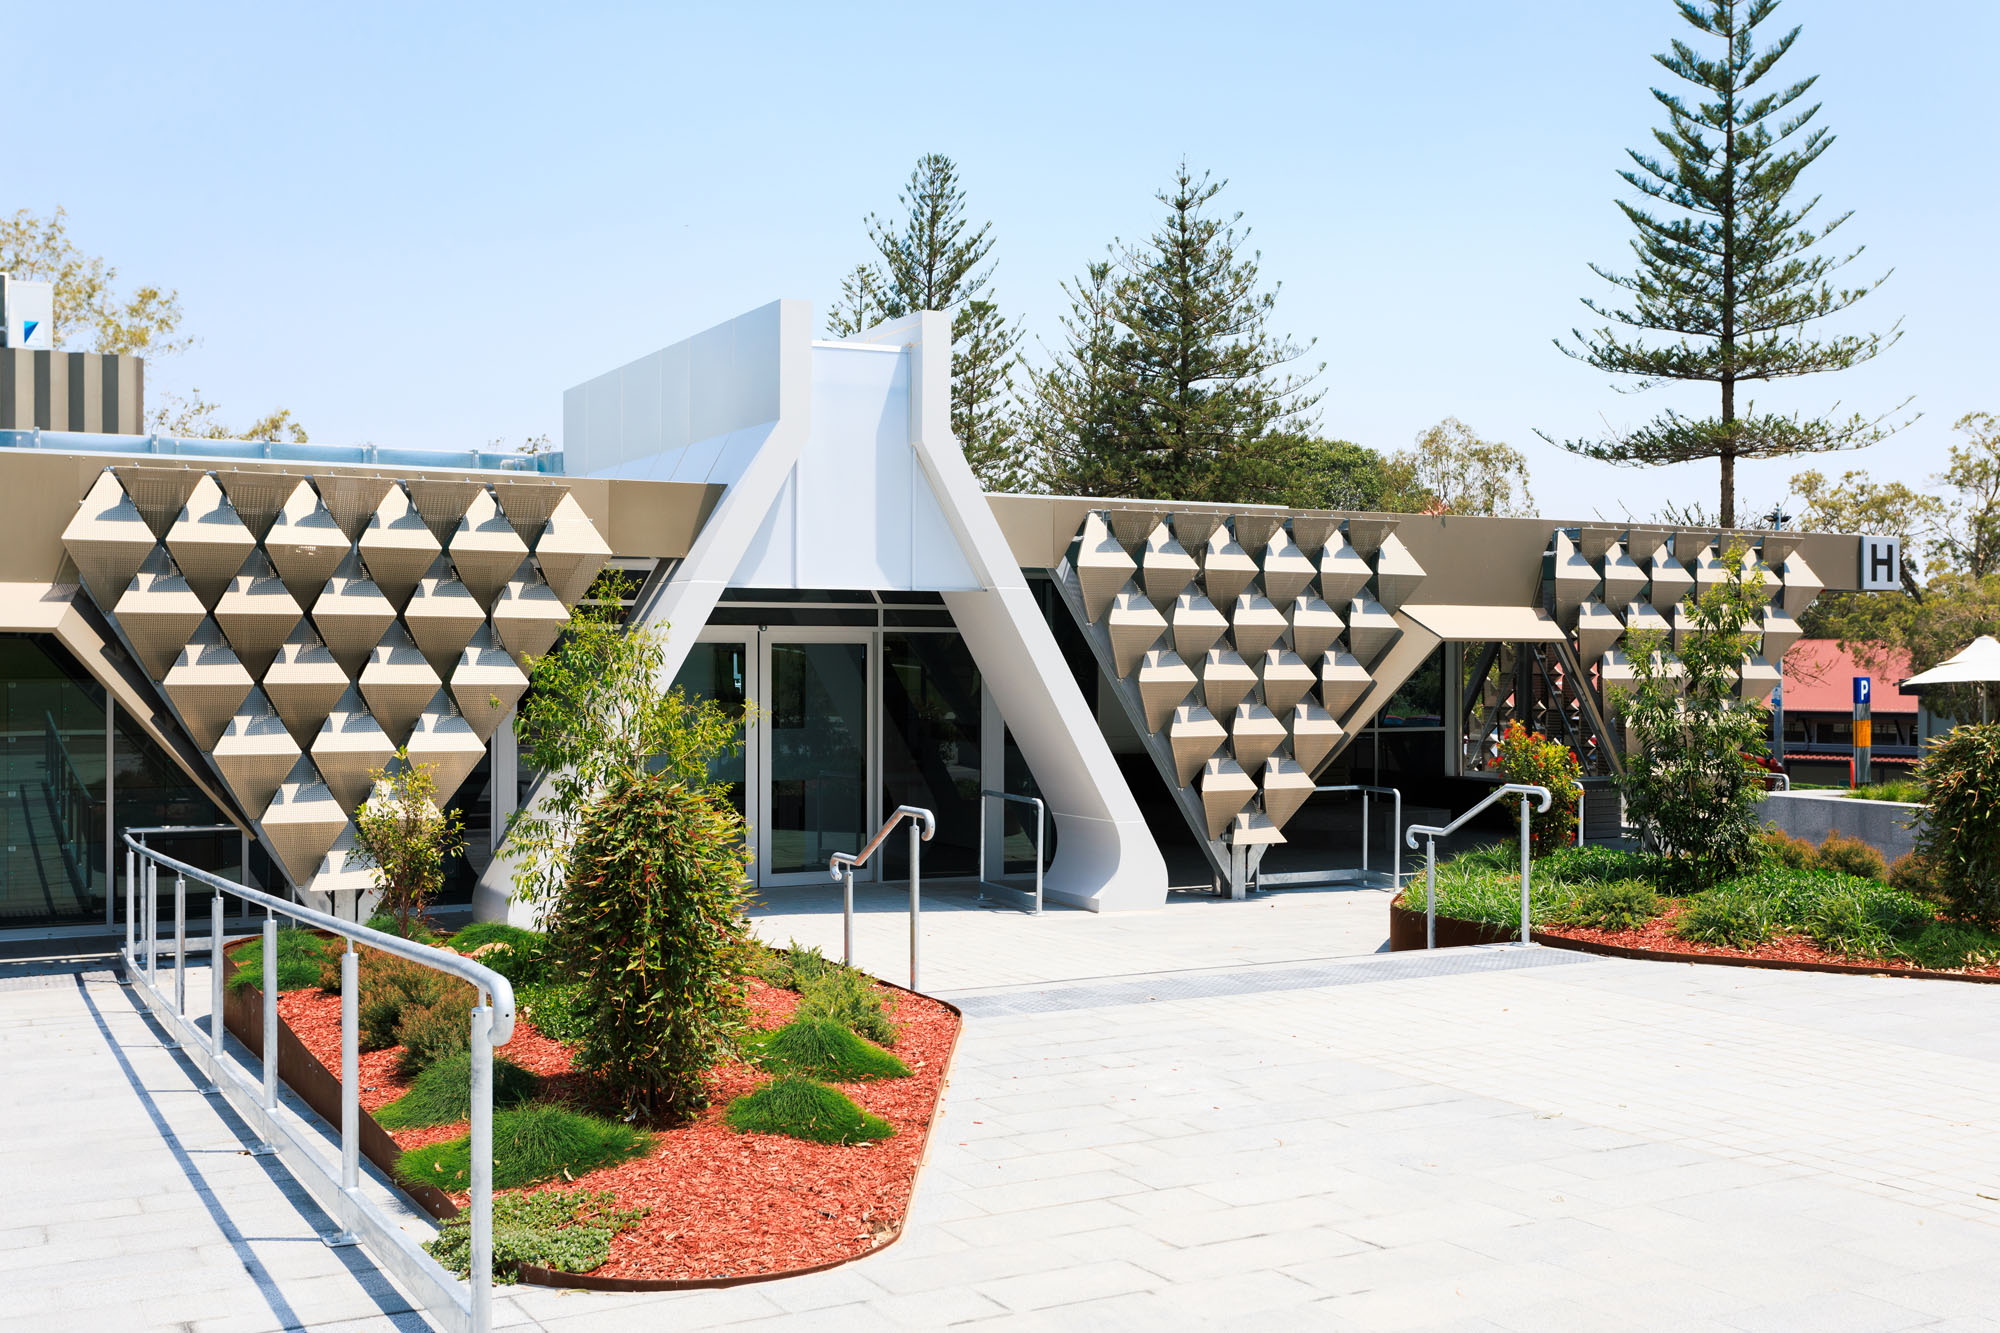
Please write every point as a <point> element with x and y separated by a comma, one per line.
<point>1978,663</point>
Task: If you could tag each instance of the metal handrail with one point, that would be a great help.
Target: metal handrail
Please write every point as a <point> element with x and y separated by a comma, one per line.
<point>1433,832</point>
<point>841,866</point>
<point>1396,820</point>
<point>1041,816</point>
<point>468,1307</point>
<point>1579,811</point>
<point>152,914</point>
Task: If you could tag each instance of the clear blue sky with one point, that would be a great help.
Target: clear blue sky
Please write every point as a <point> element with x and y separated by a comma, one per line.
<point>419,228</point>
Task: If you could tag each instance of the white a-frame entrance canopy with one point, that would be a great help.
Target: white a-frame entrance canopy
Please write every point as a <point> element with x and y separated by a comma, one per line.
<point>838,470</point>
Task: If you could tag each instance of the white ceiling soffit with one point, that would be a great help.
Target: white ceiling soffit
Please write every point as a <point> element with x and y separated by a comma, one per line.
<point>1487,624</point>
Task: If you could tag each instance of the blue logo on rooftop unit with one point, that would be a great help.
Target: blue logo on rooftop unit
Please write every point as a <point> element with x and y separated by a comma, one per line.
<point>28,327</point>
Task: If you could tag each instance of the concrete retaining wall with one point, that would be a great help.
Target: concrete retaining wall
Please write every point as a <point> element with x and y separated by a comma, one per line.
<point>1880,824</point>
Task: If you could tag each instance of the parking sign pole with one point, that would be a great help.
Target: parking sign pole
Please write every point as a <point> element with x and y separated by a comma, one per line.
<point>1864,739</point>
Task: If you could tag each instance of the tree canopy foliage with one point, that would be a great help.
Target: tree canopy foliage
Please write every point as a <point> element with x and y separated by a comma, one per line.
<point>1732,272</point>
<point>1451,470</point>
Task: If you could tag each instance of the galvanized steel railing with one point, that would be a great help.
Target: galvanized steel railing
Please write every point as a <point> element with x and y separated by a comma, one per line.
<point>459,1306</point>
<point>1041,819</point>
<point>841,866</point>
<point>1396,822</point>
<point>1433,832</point>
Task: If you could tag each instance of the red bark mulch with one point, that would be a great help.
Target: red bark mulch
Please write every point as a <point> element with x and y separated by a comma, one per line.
<point>1658,935</point>
<point>723,1204</point>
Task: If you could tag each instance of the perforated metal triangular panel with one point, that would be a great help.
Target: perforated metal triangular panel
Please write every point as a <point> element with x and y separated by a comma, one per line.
<point>1225,789</point>
<point>1226,568</point>
<point>206,684</point>
<point>1196,624</point>
<point>255,752</point>
<point>305,545</point>
<point>1102,566</point>
<point>1193,734</point>
<point>352,498</point>
<point>1165,568</point>
<point>158,612</point>
<point>1134,626</point>
<point>442,617</point>
<point>1343,572</point>
<point>258,496</point>
<point>397,682</point>
<point>209,542</point>
<point>159,490</point>
<point>1255,624</point>
<point>257,613</point>
<point>446,743</point>
<point>1288,570</point>
<point>1165,682</point>
<point>527,616</point>
<point>397,548</point>
<point>305,683</point>
<point>485,550</point>
<point>1225,679</point>
<point>1286,679</point>
<point>349,749</point>
<point>1255,733</point>
<point>1286,786</point>
<point>108,540</point>
<point>527,505</point>
<point>303,821</point>
<point>441,502</point>
<point>571,552</point>
<point>351,615</point>
<point>486,683</point>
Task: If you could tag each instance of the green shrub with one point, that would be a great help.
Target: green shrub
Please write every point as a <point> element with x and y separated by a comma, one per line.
<point>513,952</point>
<point>803,1109</point>
<point>1619,905</point>
<point>568,1231</point>
<point>1852,856</point>
<point>651,924</point>
<point>530,1144</point>
<point>387,986</point>
<point>1908,791</point>
<point>1532,758</point>
<point>846,997</point>
<point>1782,849</point>
<point>1863,924</point>
<point>1915,875</point>
<point>1687,782</point>
<point>1946,946</point>
<point>1729,916</point>
<point>794,967</point>
<point>1591,865</point>
<point>418,929</point>
<point>1484,885</point>
<point>442,1094</point>
<point>301,956</point>
<point>429,1033</point>
<point>406,835</point>
<point>556,1010</point>
<point>1959,833</point>
<point>822,1048</point>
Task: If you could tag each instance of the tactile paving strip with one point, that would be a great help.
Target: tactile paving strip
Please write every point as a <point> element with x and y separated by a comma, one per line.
<point>1202,986</point>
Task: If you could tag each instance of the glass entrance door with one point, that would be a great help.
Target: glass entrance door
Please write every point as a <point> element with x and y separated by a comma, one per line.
<point>816,752</point>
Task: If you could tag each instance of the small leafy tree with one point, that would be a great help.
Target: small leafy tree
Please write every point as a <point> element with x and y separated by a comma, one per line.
<point>1689,786</point>
<point>1532,758</point>
<point>407,837</point>
<point>596,711</point>
<point>637,857</point>
<point>1958,840</point>
<point>652,925</point>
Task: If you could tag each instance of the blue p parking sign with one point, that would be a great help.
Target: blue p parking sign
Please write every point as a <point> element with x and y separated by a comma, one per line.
<point>1861,684</point>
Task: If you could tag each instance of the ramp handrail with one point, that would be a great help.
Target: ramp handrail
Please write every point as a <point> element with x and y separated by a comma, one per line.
<point>841,866</point>
<point>1041,818</point>
<point>1396,822</point>
<point>1433,832</point>
<point>467,1306</point>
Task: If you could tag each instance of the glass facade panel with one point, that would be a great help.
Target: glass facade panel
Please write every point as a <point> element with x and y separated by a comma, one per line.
<point>818,726</point>
<point>930,749</point>
<point>52,770</point>
<point>720,671</point>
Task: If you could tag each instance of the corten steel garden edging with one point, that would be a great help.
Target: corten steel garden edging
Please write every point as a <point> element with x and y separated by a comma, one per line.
<point>319,1088</point>
<point>1406,932</point>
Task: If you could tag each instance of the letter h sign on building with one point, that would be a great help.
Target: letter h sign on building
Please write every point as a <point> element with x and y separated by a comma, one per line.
<point>1881,564</point>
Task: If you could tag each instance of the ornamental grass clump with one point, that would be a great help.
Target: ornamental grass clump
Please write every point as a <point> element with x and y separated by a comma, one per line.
<point>531,1144</point>
<point>848,998</point>
<point>515,953</point>
<point>802,1109</point>
<point>1617,905</point>
<point>301,956</point>
<point>442,1094</point>
<point>1732,917</point>
<point>822,1048</point>
<point>568,1231</point>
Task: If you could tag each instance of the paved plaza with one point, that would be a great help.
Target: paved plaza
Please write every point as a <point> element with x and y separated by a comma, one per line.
<point>1202,1116</point>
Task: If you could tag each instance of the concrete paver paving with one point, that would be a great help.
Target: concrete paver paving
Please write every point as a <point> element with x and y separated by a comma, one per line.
<point>1241,1129</point>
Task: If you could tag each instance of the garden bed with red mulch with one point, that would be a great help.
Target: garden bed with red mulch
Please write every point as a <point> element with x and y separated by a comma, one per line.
<point>1657,942</point>
<point>726,1207</point>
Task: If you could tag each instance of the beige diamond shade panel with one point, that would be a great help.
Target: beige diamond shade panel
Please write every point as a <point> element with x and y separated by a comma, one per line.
<point>252,598</point>
<point>1227,626</point>
<point>1608,583</point>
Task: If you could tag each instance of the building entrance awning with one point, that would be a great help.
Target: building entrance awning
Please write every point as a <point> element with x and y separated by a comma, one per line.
<point>1486,624</point>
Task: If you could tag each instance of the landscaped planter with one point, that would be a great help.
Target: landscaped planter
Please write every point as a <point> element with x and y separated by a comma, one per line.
<point>1406,932</point>
<point>309,1075</point>
<point>1880,824</point>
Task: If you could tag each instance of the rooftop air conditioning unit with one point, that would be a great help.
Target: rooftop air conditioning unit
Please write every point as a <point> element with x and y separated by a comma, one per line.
<point>27,314</point>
